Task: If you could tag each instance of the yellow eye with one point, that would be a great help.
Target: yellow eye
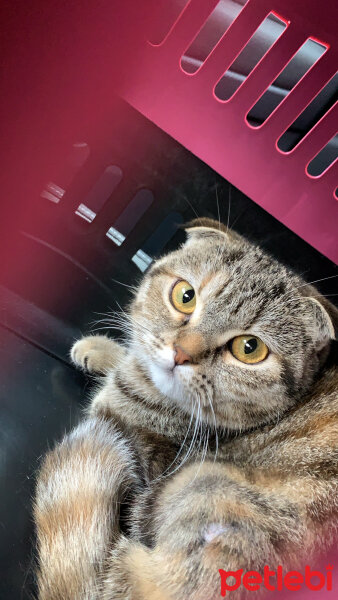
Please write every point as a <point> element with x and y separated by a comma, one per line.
<point>183,297</point>
<point>248,349</point>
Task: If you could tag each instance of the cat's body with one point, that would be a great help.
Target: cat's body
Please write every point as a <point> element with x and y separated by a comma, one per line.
<point>191,460</point>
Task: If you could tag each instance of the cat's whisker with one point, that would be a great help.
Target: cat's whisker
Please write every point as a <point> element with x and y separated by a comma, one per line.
<point>312,296</point>
<point>119,322</point>
<point>199,433</point>
<point>206,444</point>
<point>99,321</point>
<point>134,288</point>
<point>229,207</point>
<point>237,219</point>
<point>191,206</point>
<point>203,454</point>
<point>131,318</point>
<point>113,319</point>
<point>187,455</point>
<point>215,425</point>
<point>316,281</point>
<point>142,329</point>
<point>104,314</point>
<point>324,295</point>
<point>120,325</point>
<point>200,429</point>
<point>112,324</point>
<point>181,447</point>
<point>108,328</point>
<point>194,437</point>
<point>118,319</point>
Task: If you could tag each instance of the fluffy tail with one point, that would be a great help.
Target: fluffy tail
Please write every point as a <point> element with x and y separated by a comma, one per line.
<point>79,491</point>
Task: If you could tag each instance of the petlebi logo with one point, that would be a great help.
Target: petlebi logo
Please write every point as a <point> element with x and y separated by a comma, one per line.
<point>276,581</point>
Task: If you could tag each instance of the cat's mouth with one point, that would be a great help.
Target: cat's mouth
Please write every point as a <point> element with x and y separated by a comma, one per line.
<point>170,379</point>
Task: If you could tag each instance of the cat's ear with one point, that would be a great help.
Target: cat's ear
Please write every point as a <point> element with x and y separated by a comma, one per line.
<point>204,227</point>
<point>326,319</point>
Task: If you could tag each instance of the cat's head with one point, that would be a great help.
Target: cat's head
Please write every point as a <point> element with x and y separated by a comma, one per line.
<point>221,323</point>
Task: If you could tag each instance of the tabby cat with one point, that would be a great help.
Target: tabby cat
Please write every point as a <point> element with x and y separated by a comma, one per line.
<point>211,442</point>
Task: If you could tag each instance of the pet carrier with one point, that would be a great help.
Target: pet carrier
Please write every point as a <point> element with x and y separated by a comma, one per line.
<point>184,96</point>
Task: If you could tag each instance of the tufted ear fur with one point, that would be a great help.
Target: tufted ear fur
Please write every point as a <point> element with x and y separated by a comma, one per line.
<point>204,227</point>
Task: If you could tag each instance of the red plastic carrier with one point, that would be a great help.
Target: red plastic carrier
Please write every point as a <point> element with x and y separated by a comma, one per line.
<point>185,104</point>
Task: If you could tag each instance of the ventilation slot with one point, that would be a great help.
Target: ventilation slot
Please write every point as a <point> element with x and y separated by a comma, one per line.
<point>213,29</point>
<point>310,116</point>
<point>130,216</point>
<point>142,260</point>
<point>324,158</point>
<point>76,158</point>
<point>157,241</point>
<point>99,194</point>
<point>164,16</point>
<point>262,40</point>
<point>309,53</point>
<point>53,192</point>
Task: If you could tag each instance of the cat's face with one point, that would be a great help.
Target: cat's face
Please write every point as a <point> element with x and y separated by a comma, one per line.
<point>220,325</point>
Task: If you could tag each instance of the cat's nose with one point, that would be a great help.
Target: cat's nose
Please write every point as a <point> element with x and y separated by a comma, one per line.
<point>181,357</point>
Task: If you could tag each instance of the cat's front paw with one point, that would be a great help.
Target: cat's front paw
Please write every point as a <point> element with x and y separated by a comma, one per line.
<point>94,354</point>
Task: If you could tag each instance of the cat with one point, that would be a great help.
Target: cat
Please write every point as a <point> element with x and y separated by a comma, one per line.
<point>211,442</point>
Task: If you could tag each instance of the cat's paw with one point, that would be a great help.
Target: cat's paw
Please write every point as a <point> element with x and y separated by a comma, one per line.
<point>95,354</point>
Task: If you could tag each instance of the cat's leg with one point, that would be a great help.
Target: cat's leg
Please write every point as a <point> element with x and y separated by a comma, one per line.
<point>97,354</point>
<point>134,573</point>
<point>79,491</point>
<point>211,520</point>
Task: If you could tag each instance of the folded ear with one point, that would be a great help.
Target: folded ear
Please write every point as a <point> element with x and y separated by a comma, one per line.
<point>205,227</point>
<point>326,317</point>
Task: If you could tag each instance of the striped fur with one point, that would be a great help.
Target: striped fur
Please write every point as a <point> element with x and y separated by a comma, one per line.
<point>172,477</point>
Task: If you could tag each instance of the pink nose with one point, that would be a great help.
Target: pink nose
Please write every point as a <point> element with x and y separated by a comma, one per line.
<point>181,357</point>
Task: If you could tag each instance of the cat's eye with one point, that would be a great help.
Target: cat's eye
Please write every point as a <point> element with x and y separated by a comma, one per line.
<point>249,349</point>
<point>183,297</point>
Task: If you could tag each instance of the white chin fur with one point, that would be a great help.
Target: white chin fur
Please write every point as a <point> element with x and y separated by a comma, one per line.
<point>172,383</point>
